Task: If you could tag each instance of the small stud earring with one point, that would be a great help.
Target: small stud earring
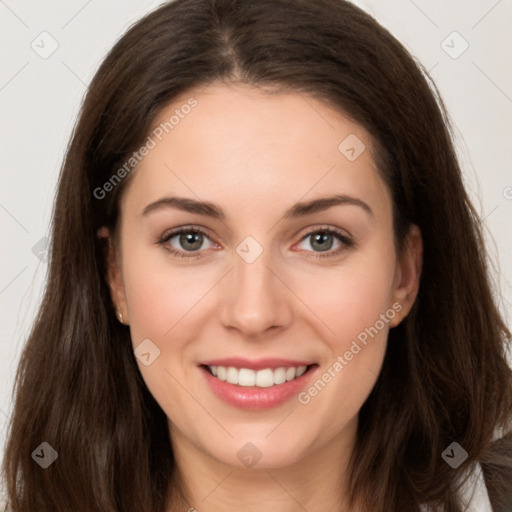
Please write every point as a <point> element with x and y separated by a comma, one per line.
<point>120,315</point>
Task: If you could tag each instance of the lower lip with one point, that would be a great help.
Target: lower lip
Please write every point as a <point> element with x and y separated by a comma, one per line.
<point>254,398</point>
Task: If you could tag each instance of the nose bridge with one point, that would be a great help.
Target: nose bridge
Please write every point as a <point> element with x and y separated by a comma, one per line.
<point>255,299</point>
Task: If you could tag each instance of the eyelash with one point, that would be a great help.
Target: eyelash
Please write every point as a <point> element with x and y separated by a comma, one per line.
<point>347,243</point>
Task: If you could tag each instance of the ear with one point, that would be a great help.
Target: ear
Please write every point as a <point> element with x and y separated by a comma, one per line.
<point>114,276</point>
<point>408,274</point>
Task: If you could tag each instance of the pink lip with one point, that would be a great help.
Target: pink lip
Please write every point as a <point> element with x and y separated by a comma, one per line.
<point>256,364</point>
<point>254,398</point>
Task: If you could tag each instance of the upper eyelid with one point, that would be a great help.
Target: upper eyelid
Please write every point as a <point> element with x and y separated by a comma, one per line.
<point>184,229</point>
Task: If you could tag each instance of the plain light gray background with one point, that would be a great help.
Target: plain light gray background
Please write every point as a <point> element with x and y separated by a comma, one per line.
<point>40,94</point>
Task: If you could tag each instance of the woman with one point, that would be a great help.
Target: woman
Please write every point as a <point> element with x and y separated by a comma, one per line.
<point>329,341</point>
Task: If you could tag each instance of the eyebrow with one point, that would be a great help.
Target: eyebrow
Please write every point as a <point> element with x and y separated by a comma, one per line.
<point>209,209</point>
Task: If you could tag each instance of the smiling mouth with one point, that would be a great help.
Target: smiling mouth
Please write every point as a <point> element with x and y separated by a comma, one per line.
<point>264,378</point>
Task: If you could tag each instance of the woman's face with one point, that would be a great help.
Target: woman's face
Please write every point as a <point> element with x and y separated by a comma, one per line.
<point>265,279</point>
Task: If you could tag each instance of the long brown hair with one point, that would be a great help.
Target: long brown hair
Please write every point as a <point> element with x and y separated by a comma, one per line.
<point>445,376</point>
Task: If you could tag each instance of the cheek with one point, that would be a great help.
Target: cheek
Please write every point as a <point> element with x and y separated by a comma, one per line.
<point>357,307</point>
<point>350,297</point>
<point>161,297</point>
<point>165,304</point>
<point>361,297</point>
<point>162,302</point>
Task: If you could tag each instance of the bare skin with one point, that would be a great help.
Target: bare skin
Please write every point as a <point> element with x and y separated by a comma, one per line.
<point>255,155</point>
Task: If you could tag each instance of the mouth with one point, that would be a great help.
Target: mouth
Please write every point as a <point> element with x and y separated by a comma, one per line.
<point>256,385</point>
<point>264,378</point>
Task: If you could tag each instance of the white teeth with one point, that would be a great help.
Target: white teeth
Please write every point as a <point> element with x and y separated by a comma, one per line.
<point>279,375</point>
<point>232,375</point>
<point>290,373</point>
<point>301,370</point>
<point>221,372</point>
<point>246,377</point>
<point>261,378</point>
<point>264,378</point>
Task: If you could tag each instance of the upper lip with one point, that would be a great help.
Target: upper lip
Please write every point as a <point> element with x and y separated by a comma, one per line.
<point>256,364</point>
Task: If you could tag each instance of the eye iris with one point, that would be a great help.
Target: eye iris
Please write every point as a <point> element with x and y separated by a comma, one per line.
<point>321,238</point>
<point>189,238</point>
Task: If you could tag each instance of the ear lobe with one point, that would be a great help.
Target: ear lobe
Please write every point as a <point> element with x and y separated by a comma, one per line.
<point>113,274</point>
<point>408,273</point>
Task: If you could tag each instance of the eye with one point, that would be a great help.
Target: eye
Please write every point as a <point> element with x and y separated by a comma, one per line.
<point>186,241</point>
<point>322,240</point>
<point>190,239</point>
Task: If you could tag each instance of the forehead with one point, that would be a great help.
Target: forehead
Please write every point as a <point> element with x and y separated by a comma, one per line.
<point>238,144</point>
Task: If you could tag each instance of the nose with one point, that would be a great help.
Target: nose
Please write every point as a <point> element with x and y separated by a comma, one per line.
<point>255,298</point>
